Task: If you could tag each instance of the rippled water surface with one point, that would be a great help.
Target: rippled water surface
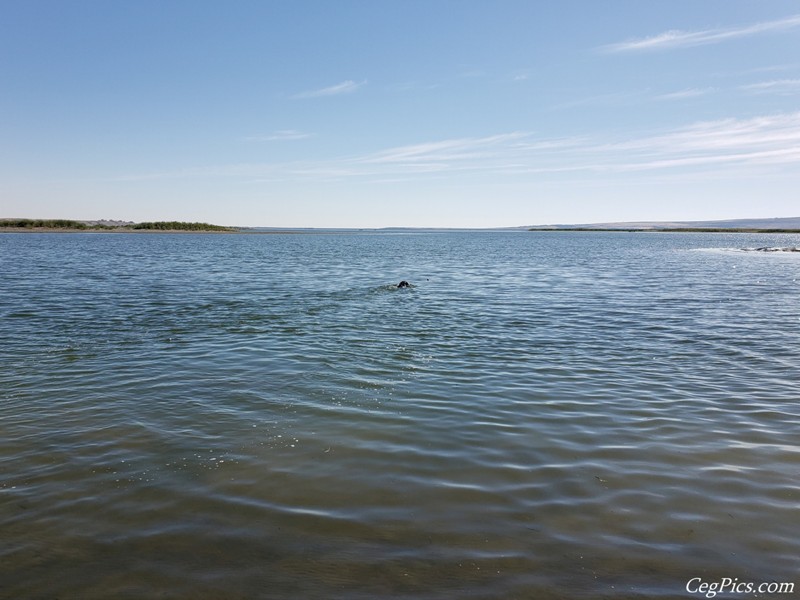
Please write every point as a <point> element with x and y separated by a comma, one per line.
<point>542,415</point>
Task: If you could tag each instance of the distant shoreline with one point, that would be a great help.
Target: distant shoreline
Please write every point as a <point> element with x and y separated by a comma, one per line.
<point>668,230</point>
<point>248,231</point>
<point>752,226</point>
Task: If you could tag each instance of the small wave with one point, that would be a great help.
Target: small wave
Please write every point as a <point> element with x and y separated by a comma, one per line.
<point>764,249</point>
<point>771,249</point>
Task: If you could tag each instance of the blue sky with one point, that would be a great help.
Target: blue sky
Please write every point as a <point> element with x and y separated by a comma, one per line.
<point>379,113</point>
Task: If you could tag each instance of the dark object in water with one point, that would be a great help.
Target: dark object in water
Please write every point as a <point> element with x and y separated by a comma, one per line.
<point>403,283</point>
<point>772,249</point>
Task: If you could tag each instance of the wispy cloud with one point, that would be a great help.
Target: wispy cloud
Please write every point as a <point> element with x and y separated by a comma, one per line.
<point>684,94</point>
<point>443,151</point>
<point>519,75</point>
<point>757,141</point>
<point>764,140</point>
<point>727,147</point>
<point>345,87</point>
<point>726,134</point>
<point>623,98</point>
<point>681,39</point>
<point>283,135</point>
<point>784,87</point>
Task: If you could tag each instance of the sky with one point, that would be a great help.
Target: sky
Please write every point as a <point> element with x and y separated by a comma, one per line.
<point>388,113</point>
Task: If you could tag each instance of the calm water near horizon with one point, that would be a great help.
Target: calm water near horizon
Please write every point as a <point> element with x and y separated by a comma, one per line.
<point>543,415</point>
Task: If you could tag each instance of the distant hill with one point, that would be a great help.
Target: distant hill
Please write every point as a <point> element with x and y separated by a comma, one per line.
<point>776,223</point>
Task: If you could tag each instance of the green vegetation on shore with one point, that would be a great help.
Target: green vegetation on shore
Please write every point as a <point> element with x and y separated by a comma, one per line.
<point>43,223</point>
<point>180,226</point>
<point>66,224</point>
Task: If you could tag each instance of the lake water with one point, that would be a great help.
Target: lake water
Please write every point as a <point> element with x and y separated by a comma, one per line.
<point>542,415</point>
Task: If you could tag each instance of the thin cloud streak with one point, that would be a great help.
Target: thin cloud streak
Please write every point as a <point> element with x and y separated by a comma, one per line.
<point>454,149</point>
<point>284,135</point>
<point>345,87</point>
<point>765,141</point>
<point>726,134</point>
<point>683,39</point>
<point>626,98</point>
<point>778,86</point>
<point>684,94</point>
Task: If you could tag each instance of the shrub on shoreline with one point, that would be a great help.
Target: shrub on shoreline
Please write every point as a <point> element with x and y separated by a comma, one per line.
<point>38,223</point>
<point>179,226</point>
<point>80,225</point>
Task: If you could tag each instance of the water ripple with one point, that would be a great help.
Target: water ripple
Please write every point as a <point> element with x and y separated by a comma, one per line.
<point>540,415</point>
